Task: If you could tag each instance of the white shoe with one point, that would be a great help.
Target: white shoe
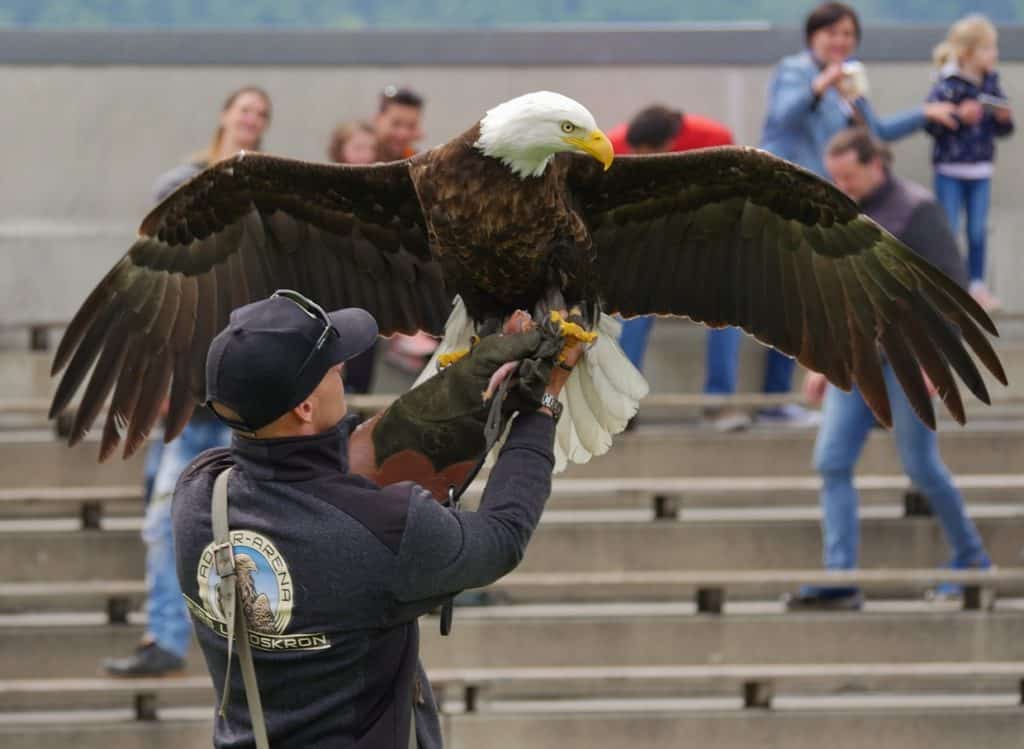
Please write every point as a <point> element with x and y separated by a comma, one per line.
<point>727,419</point>
<point>984,297</point>
<point>790,415</point>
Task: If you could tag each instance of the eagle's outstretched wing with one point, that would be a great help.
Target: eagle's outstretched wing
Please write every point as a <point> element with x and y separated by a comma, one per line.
<point>736,236</point>
<point>345,235</point>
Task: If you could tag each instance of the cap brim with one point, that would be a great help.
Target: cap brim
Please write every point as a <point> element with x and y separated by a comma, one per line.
<point>357,331</point>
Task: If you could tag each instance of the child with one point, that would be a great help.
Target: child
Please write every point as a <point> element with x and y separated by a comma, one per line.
<point>353,143</point>
<point>963,157</point>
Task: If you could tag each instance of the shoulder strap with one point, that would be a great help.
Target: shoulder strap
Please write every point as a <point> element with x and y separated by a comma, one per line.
<point>230,604</point>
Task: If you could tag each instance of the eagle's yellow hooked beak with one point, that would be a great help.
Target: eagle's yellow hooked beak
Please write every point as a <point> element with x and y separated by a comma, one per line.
<point>596,144</point>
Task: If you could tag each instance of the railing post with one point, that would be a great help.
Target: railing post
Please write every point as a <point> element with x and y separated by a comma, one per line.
<point>758,695</point>
<point>916,504</point>
<point>710,600</point>
<point>471,694</point>
<point>39,338</point>
<point>92,515</point>
<point>145,706</point>
<point>665,508</point>
<point>117,609</point>
<point>978,598</point>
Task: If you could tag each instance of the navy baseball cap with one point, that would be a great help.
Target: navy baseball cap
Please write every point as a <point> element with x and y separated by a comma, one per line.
<point>274,353</point>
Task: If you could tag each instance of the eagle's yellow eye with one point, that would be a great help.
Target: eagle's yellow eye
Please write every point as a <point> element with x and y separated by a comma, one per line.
<point>568,127</point>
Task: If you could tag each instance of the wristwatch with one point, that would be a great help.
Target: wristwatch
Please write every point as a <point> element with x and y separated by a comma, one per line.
<point>554,405</point>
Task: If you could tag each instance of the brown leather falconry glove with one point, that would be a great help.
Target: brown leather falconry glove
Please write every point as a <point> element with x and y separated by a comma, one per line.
<point>434,434</point>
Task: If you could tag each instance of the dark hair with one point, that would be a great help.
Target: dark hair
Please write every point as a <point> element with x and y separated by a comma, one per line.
<point>342,134</point>
<point>405,97</point>
<point>861,142</point>
<point>827,14</point>
<point>653,126</point>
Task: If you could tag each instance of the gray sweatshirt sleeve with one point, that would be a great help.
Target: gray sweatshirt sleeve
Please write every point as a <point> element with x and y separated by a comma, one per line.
<point>170,181</point>
<point>928,234</point>
<point>444,551</point>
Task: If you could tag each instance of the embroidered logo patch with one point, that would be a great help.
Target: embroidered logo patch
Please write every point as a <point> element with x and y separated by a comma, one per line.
<point>264,589</point>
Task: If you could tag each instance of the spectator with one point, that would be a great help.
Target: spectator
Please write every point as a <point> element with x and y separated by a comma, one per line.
<point>353,143</point>
<point>810,99</point>
<point>356,143</point>
<point>398,123</point>
<point>860,166</point>
<point>244,119</point>
<point>963,156</point>
<point>659,129</point>
<point>398,126</point>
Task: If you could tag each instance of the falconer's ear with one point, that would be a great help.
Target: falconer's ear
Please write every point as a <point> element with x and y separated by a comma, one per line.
<point>304,411</point>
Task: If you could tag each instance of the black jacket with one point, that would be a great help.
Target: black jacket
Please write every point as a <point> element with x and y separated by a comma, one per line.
<point>337,572</point>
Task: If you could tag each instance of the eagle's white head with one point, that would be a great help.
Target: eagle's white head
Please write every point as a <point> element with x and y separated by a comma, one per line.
<point>525,132</point>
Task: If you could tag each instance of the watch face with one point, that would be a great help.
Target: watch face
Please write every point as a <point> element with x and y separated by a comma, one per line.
<point>551,402</point>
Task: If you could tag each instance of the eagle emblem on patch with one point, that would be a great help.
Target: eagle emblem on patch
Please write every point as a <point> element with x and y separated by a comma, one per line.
<point>265,591</point>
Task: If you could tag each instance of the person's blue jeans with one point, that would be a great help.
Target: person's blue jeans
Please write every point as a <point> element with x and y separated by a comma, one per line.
<point>633,338</point>
<point>846,423</point>
<point>153,454</point>
<point>723,360</point>
<point>973,196</point>
<point>168,621</point>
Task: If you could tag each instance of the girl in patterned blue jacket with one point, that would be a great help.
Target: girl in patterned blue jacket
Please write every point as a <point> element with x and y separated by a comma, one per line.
<point>964,157</point>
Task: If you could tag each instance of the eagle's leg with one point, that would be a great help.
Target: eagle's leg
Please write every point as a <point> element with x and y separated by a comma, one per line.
<point>486,328</point>
<point>571,323</point>
<point>573,332</point>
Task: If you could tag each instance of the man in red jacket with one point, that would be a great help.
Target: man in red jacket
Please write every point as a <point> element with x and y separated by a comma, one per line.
<point>658,129</point>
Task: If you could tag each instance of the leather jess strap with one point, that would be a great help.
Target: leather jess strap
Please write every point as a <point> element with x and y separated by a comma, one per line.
<point>231,606</point>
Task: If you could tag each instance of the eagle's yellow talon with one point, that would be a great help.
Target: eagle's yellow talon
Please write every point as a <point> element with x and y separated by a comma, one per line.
<point>572,332</point>
<point>446,360</point>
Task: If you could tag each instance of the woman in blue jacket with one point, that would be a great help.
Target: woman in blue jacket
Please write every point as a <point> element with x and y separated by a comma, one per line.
<point>810,99</point>
<point>964,157</point>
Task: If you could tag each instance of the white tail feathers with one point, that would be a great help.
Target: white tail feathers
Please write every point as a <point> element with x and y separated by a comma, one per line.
<point>602,394</point>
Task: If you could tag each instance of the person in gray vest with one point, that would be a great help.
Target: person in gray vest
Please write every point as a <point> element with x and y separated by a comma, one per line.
<point>338,542</point>
<point>860,165</point>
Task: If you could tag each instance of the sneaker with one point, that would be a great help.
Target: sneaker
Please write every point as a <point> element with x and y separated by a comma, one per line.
<point>984,297</point>
<point>727,419</point>
<point>149,659</point>
<point>954,591</point>
<point>824,599</point>
<point>790,415</point>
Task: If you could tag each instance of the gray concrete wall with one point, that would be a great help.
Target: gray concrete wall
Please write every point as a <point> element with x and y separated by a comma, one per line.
<point>82,144</point>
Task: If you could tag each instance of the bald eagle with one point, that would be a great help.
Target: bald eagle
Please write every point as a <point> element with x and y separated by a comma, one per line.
<point>524,210</point>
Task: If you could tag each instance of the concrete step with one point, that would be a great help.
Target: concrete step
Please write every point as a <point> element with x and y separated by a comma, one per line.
<point>712,591</point>
<point>604,725</point>
<point>662,451</point>
<point>606,728</point>
<point>621,634</point>
<point>893,543</point>
<point>661,496</point>
<point>482,690</point>
<point>28,555</point>
<point>665,408</point>
<point>41,647</point>
<point>35,459</point>
<point>675,361</point>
